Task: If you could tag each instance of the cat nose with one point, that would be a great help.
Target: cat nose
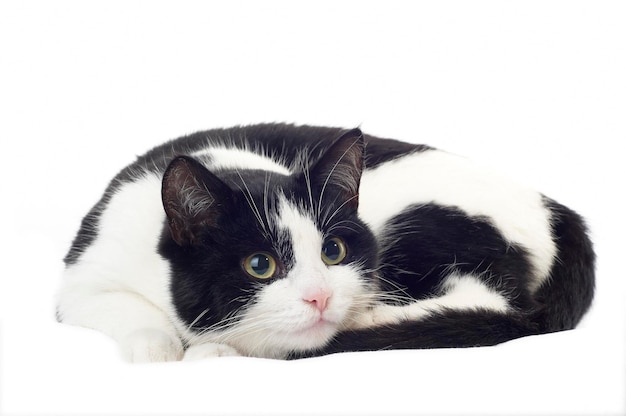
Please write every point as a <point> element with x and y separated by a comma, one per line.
<point>318,298</point>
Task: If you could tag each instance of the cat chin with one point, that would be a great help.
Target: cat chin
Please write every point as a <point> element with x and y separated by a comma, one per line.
<point>313,337</point>
<point>281,343</point>
<point>273,343</point>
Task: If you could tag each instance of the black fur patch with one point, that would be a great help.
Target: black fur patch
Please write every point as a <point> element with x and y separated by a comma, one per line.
<point>208,273</point>
<point>427,242</point>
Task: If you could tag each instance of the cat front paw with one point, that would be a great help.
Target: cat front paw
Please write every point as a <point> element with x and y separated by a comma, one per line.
<point>382,315</point>
<point>209,350</point>
<point>377,316</point>
<point>151,345</point>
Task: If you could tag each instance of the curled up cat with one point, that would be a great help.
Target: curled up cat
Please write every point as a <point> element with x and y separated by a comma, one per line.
<point>286,241</point>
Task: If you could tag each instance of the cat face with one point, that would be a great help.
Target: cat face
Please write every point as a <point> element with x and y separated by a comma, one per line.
<point>264,262</point>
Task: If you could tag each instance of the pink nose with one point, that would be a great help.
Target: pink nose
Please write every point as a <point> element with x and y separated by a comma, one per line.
<point>319,299</point>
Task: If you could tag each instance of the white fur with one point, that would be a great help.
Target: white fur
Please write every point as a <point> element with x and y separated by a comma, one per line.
<point>450,180</point>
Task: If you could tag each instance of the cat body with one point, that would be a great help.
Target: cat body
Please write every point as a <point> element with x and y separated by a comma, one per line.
<point>287,241</point>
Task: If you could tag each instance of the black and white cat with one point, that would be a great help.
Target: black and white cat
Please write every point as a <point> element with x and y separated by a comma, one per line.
<point>290,241</point>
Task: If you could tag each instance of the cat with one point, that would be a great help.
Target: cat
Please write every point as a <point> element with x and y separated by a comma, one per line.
<point>285,241</point>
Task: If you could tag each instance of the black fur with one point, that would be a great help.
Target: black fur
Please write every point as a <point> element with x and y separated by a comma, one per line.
<point>426,242</point>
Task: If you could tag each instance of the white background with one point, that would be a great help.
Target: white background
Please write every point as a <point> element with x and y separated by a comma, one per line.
<point>536,89</point>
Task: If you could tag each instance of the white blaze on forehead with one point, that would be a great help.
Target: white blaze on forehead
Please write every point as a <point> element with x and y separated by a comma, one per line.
<point>305,237</point>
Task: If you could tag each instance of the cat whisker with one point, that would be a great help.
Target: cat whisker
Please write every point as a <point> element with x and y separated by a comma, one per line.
<point>228,321</point>
<point>306,170</point>
<point>266,209</point>
<point>221,325</point>
<point>328,218</point>
<point>204,312</point>
<point>247,327</point>
<point>242,299</point>
<point>340,225</point>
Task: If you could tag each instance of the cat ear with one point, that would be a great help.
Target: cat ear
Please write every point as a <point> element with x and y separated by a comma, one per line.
<point>193,198</point>
<point>339,169</point>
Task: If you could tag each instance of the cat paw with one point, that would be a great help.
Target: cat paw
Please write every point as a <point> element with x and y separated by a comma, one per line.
<point>209,350</point>
<point>151,345</point>
<point>382,315</point>
<point>376,316</point>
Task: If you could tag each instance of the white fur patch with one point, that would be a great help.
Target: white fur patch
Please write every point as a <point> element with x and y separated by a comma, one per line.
<point>448,180</point>
<point>236,158</point>
<point>119,285</point>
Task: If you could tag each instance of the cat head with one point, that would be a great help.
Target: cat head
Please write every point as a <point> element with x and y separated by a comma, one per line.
<point>269,263</point>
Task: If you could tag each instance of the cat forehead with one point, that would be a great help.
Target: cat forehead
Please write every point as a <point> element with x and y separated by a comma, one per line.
<point>306,237</point>
<point>256,182</point>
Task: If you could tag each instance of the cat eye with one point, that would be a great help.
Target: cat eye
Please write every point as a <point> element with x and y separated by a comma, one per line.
<point>260,265</point>
<point>333,251</point>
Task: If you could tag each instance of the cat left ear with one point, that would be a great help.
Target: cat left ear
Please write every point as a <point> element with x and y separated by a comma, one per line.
<point>193,198</point>
<point>340,168</point>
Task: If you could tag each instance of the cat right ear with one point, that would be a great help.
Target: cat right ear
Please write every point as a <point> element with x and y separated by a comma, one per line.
<point>193,198</point>
<point>340,168</point>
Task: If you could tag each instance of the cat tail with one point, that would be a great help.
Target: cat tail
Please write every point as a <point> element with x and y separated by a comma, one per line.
<point>443,329</point>
<point>565,297</point>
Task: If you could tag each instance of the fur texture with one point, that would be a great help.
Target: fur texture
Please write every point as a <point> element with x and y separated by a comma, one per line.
<point>290,241</point>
